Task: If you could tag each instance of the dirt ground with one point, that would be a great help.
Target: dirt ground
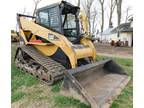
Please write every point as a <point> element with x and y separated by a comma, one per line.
<point>112,51</point>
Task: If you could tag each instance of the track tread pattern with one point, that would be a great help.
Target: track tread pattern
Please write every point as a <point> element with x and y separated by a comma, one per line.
<point>54,68</point>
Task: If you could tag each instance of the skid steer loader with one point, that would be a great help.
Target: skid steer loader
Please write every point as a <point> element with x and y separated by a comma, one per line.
<point>53,48</point>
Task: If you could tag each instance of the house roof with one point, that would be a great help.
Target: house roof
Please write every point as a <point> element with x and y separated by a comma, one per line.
<point>125,27</point>
<point>107,31</point>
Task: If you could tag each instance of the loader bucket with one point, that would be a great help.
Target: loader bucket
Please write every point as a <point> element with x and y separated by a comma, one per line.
<point>98,84</point>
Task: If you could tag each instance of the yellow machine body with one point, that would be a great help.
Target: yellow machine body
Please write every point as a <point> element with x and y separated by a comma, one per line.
<point>59,41</point>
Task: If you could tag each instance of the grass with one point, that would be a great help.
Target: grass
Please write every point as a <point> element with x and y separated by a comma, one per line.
<point>56,87</point>
<point>17,95</point>
<point>62,101</point>
<point>21,79</point>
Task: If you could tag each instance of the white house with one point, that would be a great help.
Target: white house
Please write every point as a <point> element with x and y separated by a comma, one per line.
<point>125,33</point>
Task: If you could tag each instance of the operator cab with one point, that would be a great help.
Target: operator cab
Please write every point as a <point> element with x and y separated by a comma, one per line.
<point>62,18</point>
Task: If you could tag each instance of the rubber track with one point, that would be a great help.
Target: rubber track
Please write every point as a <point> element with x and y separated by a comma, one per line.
<point>54,68</point>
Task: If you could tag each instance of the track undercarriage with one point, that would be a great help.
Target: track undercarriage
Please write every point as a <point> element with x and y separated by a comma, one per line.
<point>44,68</point>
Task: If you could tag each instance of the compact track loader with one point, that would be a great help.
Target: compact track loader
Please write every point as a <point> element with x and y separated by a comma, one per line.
<point>52,47</point>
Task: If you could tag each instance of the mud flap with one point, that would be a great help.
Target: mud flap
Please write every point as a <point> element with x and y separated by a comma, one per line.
<point>98,84</point>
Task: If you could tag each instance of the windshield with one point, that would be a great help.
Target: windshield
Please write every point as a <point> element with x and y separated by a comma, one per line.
<point>69,25</point>
<point>70,21</point>
<point>50,18</point>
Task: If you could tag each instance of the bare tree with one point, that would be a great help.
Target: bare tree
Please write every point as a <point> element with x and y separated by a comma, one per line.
<point>24,10</point>
<point>87,8</point>
<point>112,7</point>
<point>119,6</point>
<point>36,4</point>
<point>93,18</point>
<point>102,14</point>
<point>127,13</point>
<point>78,4</point>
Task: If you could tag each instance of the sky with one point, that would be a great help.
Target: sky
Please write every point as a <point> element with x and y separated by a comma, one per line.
<point>28,6</point>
